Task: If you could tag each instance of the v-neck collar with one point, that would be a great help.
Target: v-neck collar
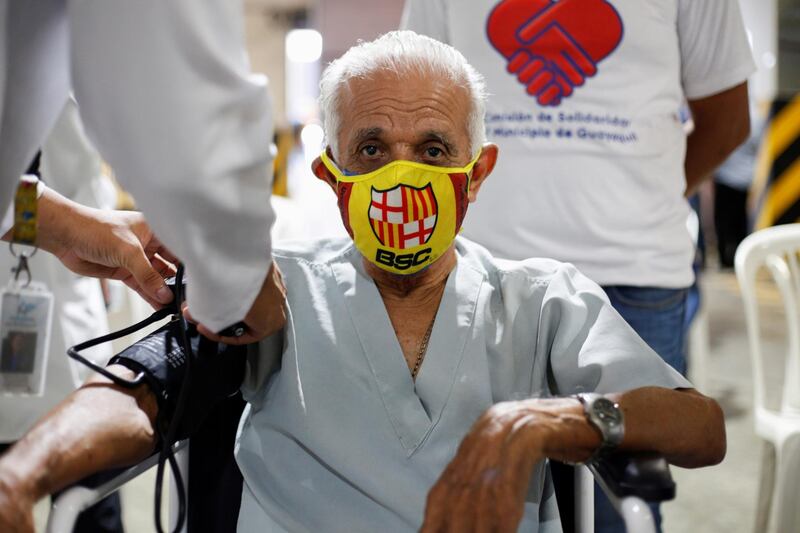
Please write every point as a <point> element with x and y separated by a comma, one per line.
<point>413,409</point>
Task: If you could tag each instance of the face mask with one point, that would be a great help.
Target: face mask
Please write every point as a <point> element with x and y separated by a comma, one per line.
<point>405,215</point>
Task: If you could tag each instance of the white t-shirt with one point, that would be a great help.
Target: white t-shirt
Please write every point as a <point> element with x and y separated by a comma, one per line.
<point>596,177</point>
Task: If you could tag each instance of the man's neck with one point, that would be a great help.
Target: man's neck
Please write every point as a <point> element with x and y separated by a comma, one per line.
<point>427,282</point>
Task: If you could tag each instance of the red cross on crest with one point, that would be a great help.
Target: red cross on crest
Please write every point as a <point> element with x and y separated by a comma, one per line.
<point>404,216</point>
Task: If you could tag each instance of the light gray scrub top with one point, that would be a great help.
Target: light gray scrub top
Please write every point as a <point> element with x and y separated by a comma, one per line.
<point>338,437</point>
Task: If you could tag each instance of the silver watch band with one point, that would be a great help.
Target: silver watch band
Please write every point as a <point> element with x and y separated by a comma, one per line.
<point>607,417</point>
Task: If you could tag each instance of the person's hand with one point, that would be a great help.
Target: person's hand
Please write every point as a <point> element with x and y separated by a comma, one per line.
<point>121,246</point>
<point>266,316</point>
<point>16,507</point>
<point>484,486</point>
<point>106,244</point>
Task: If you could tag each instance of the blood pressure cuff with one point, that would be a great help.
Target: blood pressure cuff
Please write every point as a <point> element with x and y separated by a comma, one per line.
<point>217,371</point>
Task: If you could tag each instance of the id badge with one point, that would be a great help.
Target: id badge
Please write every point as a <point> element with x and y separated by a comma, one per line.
<point>26,313</point>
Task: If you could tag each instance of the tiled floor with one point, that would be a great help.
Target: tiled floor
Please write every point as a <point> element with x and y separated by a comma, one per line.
<point>720,499</point>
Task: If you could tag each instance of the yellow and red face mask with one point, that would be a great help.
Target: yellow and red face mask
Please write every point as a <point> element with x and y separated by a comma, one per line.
<point>403,216</point>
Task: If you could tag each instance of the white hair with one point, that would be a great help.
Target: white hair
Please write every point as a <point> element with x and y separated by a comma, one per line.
<point>400,52</point>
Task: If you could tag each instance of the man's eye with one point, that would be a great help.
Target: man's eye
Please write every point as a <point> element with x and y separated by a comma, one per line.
<point>370,150</point>
<point>433,152</point>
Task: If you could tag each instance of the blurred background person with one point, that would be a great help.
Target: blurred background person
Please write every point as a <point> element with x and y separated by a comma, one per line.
<point>585,108</point>
<point>70,165</point>
<point>732,182</point>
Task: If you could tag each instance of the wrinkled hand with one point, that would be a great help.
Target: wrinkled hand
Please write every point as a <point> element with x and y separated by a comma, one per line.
<point>484,486</point>
<point>16,508</point>
<point>266,316</point>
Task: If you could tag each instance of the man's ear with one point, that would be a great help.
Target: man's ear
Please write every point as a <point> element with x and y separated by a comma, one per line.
<point>321,171</point>
<point>483,167</point>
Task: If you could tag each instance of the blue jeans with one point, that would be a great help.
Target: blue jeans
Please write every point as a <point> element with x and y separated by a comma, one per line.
<point>657,315</point>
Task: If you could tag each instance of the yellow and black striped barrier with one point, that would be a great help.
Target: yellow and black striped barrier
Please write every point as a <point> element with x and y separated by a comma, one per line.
<point>777,178</point>
<point>285,142</point>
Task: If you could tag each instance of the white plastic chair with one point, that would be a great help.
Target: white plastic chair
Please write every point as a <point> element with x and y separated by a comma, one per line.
<point>777,249</point>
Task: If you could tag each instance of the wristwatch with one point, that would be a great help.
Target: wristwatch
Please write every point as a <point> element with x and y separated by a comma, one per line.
<point>607,417</point>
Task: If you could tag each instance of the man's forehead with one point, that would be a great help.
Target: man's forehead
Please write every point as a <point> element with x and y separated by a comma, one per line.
<point>428,105</point>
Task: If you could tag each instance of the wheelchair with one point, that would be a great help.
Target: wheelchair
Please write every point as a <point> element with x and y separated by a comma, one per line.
<point>629,481</point>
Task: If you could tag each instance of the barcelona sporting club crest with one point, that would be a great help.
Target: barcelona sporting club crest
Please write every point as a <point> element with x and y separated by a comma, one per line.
<point>403,217</point>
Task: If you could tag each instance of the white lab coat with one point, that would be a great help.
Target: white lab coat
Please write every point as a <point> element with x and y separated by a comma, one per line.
<point>167,96</point>
<point>71,166</point>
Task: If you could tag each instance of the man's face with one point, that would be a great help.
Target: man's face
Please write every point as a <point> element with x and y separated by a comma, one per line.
<point>402,224</point>
<point>386,117</point>
<point>16,342</point>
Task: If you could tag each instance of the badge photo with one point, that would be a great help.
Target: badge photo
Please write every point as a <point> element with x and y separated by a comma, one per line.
<point>25,321</point>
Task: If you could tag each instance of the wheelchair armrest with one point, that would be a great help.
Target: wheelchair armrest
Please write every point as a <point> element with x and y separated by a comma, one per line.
<point>645,475</point>
<point>65,509</point>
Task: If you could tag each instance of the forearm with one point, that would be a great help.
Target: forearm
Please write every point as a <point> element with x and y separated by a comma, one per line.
<point>99,426</point>
<point>705,151</point>
<point>487,480</point>
<point>722,123</point>
<point>684,426</point>
<point>57,217</point>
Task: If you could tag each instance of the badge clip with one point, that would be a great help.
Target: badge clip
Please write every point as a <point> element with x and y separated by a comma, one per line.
<point>22,265</point>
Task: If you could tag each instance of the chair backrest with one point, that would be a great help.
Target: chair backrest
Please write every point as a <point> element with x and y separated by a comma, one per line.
<point>776,249</point>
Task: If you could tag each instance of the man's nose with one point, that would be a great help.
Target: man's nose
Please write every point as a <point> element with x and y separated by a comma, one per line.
<point>404,151</point>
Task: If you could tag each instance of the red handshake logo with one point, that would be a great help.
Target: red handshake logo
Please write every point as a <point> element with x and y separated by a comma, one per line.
<point>552,47</point>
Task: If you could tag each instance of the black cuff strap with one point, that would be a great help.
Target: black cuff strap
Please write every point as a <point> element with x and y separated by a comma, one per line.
<point>217,372</point>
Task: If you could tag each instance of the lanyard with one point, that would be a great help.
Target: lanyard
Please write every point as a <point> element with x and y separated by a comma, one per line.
<point>26,307</point>
<point>26,216</point>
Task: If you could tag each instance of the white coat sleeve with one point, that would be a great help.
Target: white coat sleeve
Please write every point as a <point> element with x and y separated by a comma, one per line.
<point>34,84</point>
<point>167,96</point>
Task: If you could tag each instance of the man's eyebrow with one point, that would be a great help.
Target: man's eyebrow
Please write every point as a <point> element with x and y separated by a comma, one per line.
<point>432,135</point>
<point>367,133</point>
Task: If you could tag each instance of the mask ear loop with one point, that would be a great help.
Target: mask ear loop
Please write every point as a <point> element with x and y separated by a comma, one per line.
<point>470,167</point>
<point>330,165</point>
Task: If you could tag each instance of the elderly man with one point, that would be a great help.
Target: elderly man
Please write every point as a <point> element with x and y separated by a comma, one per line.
<point>413,366</point>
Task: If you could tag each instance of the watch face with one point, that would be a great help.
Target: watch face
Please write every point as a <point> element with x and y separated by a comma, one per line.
<point>606,410</point>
